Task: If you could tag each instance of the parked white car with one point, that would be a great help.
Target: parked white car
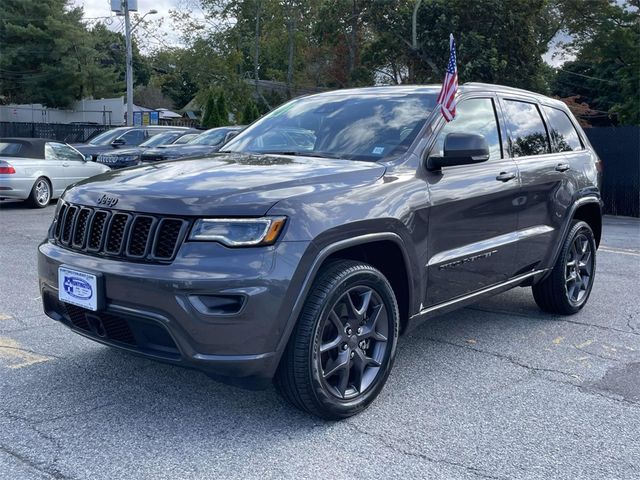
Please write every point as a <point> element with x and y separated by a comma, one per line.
<point>38,170</point>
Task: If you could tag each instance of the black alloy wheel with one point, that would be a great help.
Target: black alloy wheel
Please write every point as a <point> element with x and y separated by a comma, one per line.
<point>353,344</point>
<point>342,348</point>
<point>579,269</point>
<point>567,287</point>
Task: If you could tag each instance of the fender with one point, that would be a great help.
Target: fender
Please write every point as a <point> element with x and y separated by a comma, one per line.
<point>315,267</point>
<point>565,228</point>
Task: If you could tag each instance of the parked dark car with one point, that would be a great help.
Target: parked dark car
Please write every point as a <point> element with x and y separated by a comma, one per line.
<point>129,157</point>
<point>121,137</point>
<point>304,263</point>
<point>206,143</point>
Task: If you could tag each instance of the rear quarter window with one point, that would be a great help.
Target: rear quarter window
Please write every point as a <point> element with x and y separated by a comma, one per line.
<point>527,133</point>
<point>10,148</point>
<point>564,134</point>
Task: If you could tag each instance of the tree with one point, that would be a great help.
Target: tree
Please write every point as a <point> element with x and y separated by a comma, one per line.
<point>250,113</point>
<point>210,118</point>
<point>221,110</point>
<point>605,73</point>
<point>111,50</point>
<point>150,96</point>
<point>47,56</point>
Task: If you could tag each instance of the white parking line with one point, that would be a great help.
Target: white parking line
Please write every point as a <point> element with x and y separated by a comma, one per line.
<point>634,253</point>
<point>15,356</point>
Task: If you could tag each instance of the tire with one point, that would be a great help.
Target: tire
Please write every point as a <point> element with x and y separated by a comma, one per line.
<point>349,324</point>
<point>567,288</point>
<point>40,195</point>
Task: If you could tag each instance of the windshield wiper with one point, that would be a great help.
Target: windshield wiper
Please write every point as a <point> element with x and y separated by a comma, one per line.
<point>302,153</point>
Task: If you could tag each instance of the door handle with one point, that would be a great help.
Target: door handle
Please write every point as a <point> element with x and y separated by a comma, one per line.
<point>65,164</point>
<point>506,176</point>
<point>562,167</point>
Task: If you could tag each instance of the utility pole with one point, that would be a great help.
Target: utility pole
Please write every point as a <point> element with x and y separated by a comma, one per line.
<point>129,73</point>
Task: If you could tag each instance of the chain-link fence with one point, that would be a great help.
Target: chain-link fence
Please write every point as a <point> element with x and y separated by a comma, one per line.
<point>69,133</point>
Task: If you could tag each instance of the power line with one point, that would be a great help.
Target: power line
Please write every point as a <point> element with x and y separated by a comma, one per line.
<point>587,76</point>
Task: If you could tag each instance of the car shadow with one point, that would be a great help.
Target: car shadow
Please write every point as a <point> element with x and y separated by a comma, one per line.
<point>20,205</point>
<point>99,383</point>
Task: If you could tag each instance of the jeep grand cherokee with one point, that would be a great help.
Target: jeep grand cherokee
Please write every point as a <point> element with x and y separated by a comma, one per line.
<point>326,229</point>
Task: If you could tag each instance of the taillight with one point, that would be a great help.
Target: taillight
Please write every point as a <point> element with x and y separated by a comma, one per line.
<point>6,168</point>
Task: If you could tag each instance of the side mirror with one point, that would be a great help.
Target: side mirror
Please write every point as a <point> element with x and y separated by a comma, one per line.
<point>461,149</point>
<point>117,142</point>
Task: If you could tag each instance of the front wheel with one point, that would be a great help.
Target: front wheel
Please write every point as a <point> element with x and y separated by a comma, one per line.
<point>343,346</point>
<point>567,288</point>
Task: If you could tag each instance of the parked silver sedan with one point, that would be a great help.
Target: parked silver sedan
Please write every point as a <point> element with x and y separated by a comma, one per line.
<point>38,170</point>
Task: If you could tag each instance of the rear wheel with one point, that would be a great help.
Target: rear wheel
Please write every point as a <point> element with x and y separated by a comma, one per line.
<point>567,289</point>
<point>40,193</point>
<point>343,346</point>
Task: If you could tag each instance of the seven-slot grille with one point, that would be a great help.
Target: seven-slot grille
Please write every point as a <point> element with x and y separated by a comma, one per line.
<point>119,234</point>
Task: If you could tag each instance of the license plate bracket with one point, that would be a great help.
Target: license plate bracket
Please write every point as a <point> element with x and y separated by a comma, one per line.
<point>80,288</point>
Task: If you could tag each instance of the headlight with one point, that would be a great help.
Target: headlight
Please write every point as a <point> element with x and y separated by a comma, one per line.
<point>238,232</point>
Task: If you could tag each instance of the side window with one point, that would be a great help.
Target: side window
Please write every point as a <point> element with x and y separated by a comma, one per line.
<point>527,134</point>
<point>63,152</point>
<point>475,115</point>
<point>133,137</point>
<point>49,153</point>
<point>563,132</point>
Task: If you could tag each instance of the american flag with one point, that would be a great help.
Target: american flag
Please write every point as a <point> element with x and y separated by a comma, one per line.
<point>447,97</point>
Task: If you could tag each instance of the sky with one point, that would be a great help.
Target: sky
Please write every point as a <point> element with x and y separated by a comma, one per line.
<point>102,8</point>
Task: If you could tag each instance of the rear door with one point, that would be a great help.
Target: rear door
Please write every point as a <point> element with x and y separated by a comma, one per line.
<point>473,213</point>
<point>546,189</point>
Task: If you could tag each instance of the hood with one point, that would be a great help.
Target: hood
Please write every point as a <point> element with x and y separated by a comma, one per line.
<point>93,150</point>
<point>124,152</point>
<point>224,184</point>
<point>180,151</point>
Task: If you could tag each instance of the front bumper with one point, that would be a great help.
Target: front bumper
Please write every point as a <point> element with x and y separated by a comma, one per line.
<point>171,312</point>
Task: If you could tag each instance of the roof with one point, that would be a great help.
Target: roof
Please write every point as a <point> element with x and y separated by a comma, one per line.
<point>30,147</point>
<point>435,88</point>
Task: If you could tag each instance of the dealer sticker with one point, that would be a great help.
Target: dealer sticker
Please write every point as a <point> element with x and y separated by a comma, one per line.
<point>78,288</point>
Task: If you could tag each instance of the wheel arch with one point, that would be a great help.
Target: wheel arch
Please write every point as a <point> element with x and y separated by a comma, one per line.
<point>37,177</point>
<point>587,208</point>
<point>345,248</point>
<point>387,256</point>
<point>591,213</point>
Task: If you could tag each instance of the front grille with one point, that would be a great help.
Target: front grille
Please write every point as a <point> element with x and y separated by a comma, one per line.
<point>117,230</point>
<point>79,234</point>
<point>114,327</point>
<point>117,234</point>
<point>150,157</point>
<point>102,324</point>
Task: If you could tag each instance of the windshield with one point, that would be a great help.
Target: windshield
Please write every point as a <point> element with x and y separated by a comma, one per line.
<point>210,137</point>
<point>186,138</point>
<point>160,139</point>
<point>355,127</point>
<point>107,137</point>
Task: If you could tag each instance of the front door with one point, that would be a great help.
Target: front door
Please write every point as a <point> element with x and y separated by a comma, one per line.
<point>474,210</point>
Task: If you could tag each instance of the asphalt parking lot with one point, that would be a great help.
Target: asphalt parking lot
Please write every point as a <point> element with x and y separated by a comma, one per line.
<point>498,390</point>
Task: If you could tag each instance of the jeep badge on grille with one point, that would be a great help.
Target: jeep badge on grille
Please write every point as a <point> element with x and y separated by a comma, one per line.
<point>107,201</point>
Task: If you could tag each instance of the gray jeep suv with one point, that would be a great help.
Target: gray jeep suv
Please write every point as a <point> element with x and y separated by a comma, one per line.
<point>323,231</point>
